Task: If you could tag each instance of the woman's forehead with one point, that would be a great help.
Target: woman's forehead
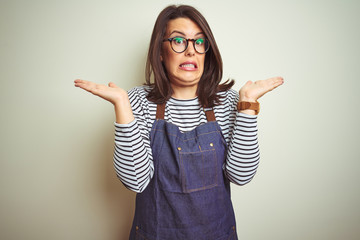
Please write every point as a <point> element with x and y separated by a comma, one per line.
<point>183,26</point>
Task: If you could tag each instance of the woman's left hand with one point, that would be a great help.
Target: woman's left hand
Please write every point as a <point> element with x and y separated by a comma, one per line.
<point>252,91</point>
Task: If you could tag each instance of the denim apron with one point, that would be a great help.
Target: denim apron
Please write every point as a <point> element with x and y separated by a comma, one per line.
<point>188,197</point>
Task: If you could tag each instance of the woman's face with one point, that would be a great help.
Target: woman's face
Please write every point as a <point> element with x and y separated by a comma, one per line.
<point>184,69</point>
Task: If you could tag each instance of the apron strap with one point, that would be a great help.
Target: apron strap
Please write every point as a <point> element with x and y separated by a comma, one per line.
<point>160,111</point>
<point>210,116</point>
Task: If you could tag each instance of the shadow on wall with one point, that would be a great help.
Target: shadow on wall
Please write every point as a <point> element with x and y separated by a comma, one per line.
<point>119,201</point>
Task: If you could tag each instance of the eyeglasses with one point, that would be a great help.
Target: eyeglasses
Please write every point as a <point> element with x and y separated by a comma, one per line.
<point>180,44</point>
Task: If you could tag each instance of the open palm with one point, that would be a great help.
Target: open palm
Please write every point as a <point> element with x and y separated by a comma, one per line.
<point>110,92</point>
<point>252,91</point>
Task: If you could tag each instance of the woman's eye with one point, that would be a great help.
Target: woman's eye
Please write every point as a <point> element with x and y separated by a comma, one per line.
<point>178,40</point>
<point>200,41</point>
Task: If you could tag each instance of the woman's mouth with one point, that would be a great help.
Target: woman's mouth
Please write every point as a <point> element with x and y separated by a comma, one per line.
<point>188,66</point>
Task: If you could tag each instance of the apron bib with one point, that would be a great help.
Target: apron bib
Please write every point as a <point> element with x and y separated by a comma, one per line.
<point>189,195</point>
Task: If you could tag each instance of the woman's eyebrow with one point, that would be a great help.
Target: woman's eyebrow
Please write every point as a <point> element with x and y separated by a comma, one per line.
<point>179,32</point>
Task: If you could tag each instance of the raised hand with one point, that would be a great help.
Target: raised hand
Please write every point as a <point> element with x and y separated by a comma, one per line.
<point>252,91</point>
<point>112,93</point>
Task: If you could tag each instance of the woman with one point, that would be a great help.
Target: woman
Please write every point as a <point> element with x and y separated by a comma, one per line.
<point>181,140</point>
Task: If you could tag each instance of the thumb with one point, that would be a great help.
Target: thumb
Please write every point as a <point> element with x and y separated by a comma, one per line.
<point>112,85</point>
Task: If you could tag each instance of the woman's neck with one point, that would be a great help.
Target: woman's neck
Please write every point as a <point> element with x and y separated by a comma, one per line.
<point>184,93</point>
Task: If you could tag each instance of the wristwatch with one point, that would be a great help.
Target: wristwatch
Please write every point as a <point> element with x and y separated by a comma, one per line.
<point>249,105</point>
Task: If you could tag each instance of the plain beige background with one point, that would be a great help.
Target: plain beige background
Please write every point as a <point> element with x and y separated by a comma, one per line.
<point>56,175</point>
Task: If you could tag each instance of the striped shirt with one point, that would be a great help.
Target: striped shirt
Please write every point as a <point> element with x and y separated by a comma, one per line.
<point>133,160</point>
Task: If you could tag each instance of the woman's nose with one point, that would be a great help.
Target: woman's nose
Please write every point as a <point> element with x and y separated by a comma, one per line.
<point>190,50</point>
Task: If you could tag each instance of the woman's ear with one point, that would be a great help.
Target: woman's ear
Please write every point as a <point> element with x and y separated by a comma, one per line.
<point>161,58</point>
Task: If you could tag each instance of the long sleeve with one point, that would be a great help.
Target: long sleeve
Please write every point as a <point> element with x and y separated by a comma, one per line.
<point>243,149</point>
<point>132,154</point>
<point>243,153</point>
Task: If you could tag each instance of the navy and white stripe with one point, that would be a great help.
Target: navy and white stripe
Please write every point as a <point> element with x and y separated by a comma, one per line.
<point>133,158</point>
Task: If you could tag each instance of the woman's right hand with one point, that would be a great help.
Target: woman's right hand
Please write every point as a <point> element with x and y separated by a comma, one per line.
<point>112,93</point>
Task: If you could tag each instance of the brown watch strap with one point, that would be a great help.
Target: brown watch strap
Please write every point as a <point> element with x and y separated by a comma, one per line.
<point>249,105</point>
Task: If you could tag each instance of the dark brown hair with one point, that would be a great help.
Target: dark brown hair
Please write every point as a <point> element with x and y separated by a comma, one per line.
<point>208,86</point>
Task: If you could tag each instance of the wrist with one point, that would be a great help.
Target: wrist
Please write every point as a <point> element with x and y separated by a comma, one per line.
<point>121,100</point>
<point>246,99</point>
<point>247,107</point>
<point>123,111</point>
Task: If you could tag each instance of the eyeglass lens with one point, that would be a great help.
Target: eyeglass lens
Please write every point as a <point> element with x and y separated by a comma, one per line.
<point>180,44</point>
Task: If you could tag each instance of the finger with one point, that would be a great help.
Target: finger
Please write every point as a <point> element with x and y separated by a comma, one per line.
<point>80,82</point>
<point>274,82</point>
<point>87,86</point>
<point>77,81</point>
<point>278,81</point>
<point>112,85</point>
<point>83,84</point>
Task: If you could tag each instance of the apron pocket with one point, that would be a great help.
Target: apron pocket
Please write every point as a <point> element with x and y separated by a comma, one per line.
<point>198,170</point>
